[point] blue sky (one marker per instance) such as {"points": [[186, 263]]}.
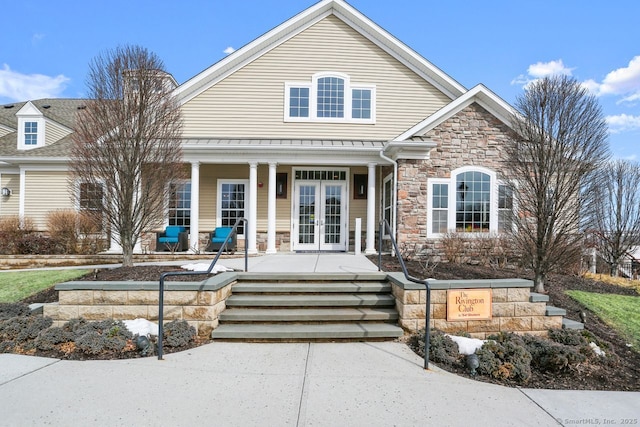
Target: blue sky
{"points": [[46, 45]]}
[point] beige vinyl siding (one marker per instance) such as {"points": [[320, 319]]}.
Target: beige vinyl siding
{"points": [[10, 205], [209, 176], [250, 102], [45, 191], [54, 132]]}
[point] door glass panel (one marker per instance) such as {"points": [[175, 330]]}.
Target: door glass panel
{"points": [[332, 213], [307, 214]]}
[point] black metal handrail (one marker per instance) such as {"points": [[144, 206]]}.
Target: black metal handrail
{"points": [[163, 276], [384, 226]]}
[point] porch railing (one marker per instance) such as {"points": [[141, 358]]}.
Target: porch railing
{"points": [[163, 276], [384, 227]]}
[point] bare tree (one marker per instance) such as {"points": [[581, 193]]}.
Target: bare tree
{"points": [[561, 142], [617, 211], [127, 144]]}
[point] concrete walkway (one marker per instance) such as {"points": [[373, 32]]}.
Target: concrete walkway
{"points": [[296, 384]]}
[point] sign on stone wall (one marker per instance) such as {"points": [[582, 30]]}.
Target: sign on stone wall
{"points": [[469, 304]]}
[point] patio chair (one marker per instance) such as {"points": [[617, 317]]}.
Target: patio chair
{"points": [[217, 237], [174, 238]]}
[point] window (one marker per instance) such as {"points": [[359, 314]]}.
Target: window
{"points": [[31, 133], [180, 204], [330, 97], [473, 197], [471, 201], [299, 102], [440, 211], [232, 203], [505, 208], [91, 196]]}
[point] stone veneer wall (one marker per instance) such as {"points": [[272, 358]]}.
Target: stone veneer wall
{"points": [[473, 137], [196, 302], [512, 309]]}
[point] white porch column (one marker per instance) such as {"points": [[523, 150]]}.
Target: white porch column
{"points": [[250, 238], [194, 233], [371, 211], [271, 210]]}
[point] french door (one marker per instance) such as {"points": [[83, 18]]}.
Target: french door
{"points": [[320, 216]]}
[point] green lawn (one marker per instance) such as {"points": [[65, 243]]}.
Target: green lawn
{"points": [[619, 311], [17, 285]]}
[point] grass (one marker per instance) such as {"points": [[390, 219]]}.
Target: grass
{"points": [[17, 285], [621, 312], [618, 281]]}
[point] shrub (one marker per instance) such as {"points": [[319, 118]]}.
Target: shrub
{"points": [[12, 230], [9, 310], [442, 349], [505, 357], [62, 226], [453, 247], [99, 337], [38, 244], [49, 338], [178, 333], [550, 356], [24, 328]]}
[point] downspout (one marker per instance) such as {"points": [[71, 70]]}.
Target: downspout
{"points": [[394, 197]]}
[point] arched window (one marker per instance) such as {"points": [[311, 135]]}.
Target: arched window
{"points": [[483, 204]]}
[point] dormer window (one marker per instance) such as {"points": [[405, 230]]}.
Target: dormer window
{"points": [[31, 127], [31, 133], [330, 97]]}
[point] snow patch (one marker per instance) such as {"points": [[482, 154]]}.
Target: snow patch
{"points": [[466, 345], [597, 350], [141, 327], [204, 267]]}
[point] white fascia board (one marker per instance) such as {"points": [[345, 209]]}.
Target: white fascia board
{"points": [[49, 167], [28, 109], [21, 161], [480, 94], [7, 128], [416, 150]]}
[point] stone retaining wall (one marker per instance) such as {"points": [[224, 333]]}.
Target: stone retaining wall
{"points": [[512, 309], [199, 303]]}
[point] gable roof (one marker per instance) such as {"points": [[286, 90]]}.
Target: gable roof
{"points": [[478, 94], [285, 31]]}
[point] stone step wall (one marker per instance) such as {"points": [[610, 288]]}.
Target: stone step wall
{"points": [[199, 303], [512, 310]]}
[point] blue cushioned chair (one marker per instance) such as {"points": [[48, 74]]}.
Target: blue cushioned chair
{"points": [[173, 238], [217, 237]]}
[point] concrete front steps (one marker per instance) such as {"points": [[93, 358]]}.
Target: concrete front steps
{"points": [[555, 311], [314, 307]]}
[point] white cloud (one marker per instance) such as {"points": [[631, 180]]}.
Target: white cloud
{"points": [[551, 68], [623, 82], [623, 123], [540, 70], [229, 50], [21, 87]]}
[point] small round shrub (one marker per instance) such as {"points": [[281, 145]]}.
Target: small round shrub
{"points": [[571, 337], [178, 333], [505, 356], [551, 356], [22, 329], [99, 337]]}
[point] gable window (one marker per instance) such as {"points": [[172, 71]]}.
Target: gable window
{"points": [[31, 133], [330, 97], [232, 203], [180, 204], [471, 201]]}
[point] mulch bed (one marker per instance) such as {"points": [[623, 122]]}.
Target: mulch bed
{"points": [[623, 376]]}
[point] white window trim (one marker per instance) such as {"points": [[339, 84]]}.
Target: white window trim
{"points": [[313, 100], [247, 199], [451, 214], [21, 132]]}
